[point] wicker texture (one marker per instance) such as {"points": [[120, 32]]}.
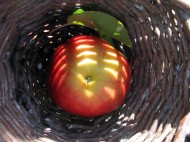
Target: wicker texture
{"points": [[158, 105]]}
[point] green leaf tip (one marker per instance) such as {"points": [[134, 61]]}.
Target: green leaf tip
{"points": [[103, 23], [78, 11]]}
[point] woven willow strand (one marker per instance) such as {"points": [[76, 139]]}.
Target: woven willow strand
{"points": [[158, 106]]}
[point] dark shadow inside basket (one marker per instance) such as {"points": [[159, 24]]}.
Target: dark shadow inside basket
{"points": [[187, 139], [154, 101]]}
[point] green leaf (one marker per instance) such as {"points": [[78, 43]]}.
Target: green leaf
{"points": [[107, 38], [103, 23]]}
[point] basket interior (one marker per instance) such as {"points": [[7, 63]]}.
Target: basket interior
{"points": [[159, 96]]}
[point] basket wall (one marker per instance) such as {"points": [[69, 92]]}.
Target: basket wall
{"points": [[158, 105]]}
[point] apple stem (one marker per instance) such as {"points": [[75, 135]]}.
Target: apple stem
{"points": [[88, 80]]}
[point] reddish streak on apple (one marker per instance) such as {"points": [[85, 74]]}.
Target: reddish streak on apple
{"points": [[125, 72], [56, 74], [59, 51], [107, 45], [59, 63], [123, 83], [59, 54], [124, 60], [78, 41], [88, 77], [61, 80]]}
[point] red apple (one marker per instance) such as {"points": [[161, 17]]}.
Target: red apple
{"points": [[88, 77]]}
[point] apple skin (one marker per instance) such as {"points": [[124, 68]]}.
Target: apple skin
{"points": [[88, 77]]}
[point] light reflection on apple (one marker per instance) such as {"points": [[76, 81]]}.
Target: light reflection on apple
{"points": [[113, 72], [110, 92], [111, 54], [110, 61], [89, 93], [86, 53], [86, 61], [84, 47]]}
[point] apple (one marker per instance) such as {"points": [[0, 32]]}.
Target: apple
{"points": [[88, 77]]}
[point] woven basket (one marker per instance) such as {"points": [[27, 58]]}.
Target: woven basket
{"points": [[158, 105]]}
